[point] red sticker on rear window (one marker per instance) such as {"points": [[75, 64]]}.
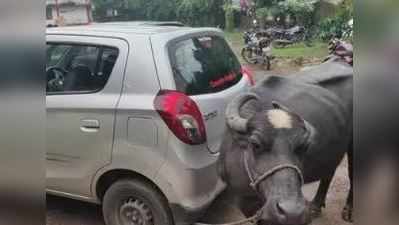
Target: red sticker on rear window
{"points": [[222, 81]]}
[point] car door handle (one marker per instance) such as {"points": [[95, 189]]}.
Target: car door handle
{"points": [[89, 125]]}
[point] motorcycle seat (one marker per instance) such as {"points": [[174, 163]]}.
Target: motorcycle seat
{"points": [[294, 30]]}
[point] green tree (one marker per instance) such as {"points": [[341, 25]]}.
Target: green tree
{"points": [[200, 12], [266, 3], [191, 12], [159, 10], [337, 25], [229, 16], [101, 7], [301, 10]]}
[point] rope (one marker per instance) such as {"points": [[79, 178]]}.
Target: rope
{"points": [[254, 183], [251, 220]]}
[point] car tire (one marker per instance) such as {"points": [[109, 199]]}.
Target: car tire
{"points": [[135, 202]]}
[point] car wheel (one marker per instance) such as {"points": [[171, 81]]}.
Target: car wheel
{"points": [[133, 202]]}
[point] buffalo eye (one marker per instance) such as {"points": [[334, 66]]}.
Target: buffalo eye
{"points": [[255, 143]]}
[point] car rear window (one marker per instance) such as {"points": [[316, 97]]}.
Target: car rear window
{"points": [[203, 65]]}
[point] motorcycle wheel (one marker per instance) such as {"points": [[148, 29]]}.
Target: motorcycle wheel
{"points": [[247, 55], [267, 62], [280, 43]]}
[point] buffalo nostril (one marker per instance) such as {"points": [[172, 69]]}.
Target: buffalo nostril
{"points": [[292, 212], [280, 209]]}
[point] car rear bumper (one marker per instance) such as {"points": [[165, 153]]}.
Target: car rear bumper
{"points": [[186, 215], [190, 188]]}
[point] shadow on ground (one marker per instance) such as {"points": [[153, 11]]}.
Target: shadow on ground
{"points": [[62, 211]]}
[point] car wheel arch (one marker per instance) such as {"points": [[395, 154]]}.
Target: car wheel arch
{"points": [[108, 178]]}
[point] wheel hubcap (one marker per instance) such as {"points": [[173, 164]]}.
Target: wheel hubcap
{"points": [[135, 212]]}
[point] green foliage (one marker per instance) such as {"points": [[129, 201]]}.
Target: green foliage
{"points": [[229, 17], [266, 3], [159, 10], [337, 26], [301, 10], [316, 50], [200, 12], [191, 12], [347, 5], [263, 12], [297, 7], [101, 7]]}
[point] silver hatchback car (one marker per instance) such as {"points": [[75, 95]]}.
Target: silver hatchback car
{"points": [[135, 118]]}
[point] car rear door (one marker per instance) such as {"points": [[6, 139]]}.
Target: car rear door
{"points": [[206, 69], [81, 108]]}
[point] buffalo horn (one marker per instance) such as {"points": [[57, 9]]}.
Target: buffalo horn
{"points": [[234, 119]]}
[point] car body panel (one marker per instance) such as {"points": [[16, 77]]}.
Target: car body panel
{"points": [[75, 152], [212, 106], [185, 174], [136, 104]]}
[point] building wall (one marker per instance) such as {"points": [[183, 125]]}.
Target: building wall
{"points": [[70, 14], [80, 2], [74, 14]]}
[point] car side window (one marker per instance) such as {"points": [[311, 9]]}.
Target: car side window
{"points": [[78, 69]]}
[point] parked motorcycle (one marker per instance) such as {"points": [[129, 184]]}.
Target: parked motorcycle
{"points": [[340, 50], [348, 32], [257, 49], [283, 37]]}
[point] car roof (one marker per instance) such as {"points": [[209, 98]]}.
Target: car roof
{"points": [[147, 23], [126, 29]]}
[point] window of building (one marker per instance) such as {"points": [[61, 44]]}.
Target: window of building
{"points": [[49, 12]]}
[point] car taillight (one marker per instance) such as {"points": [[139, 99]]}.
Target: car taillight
{"points": [[182, 116], [246, 71]]}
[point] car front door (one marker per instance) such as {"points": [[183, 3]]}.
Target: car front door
{"points": [[84, 82]]}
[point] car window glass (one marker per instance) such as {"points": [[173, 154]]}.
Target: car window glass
{"points": [[55, 53], [73, 68], [108, 58], [204, 65], [85, 56]]}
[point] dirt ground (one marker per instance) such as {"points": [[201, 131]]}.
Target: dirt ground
{"points": [[62, 211]]}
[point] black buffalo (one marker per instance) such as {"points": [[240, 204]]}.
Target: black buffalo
{"points": [[285, 132]]}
